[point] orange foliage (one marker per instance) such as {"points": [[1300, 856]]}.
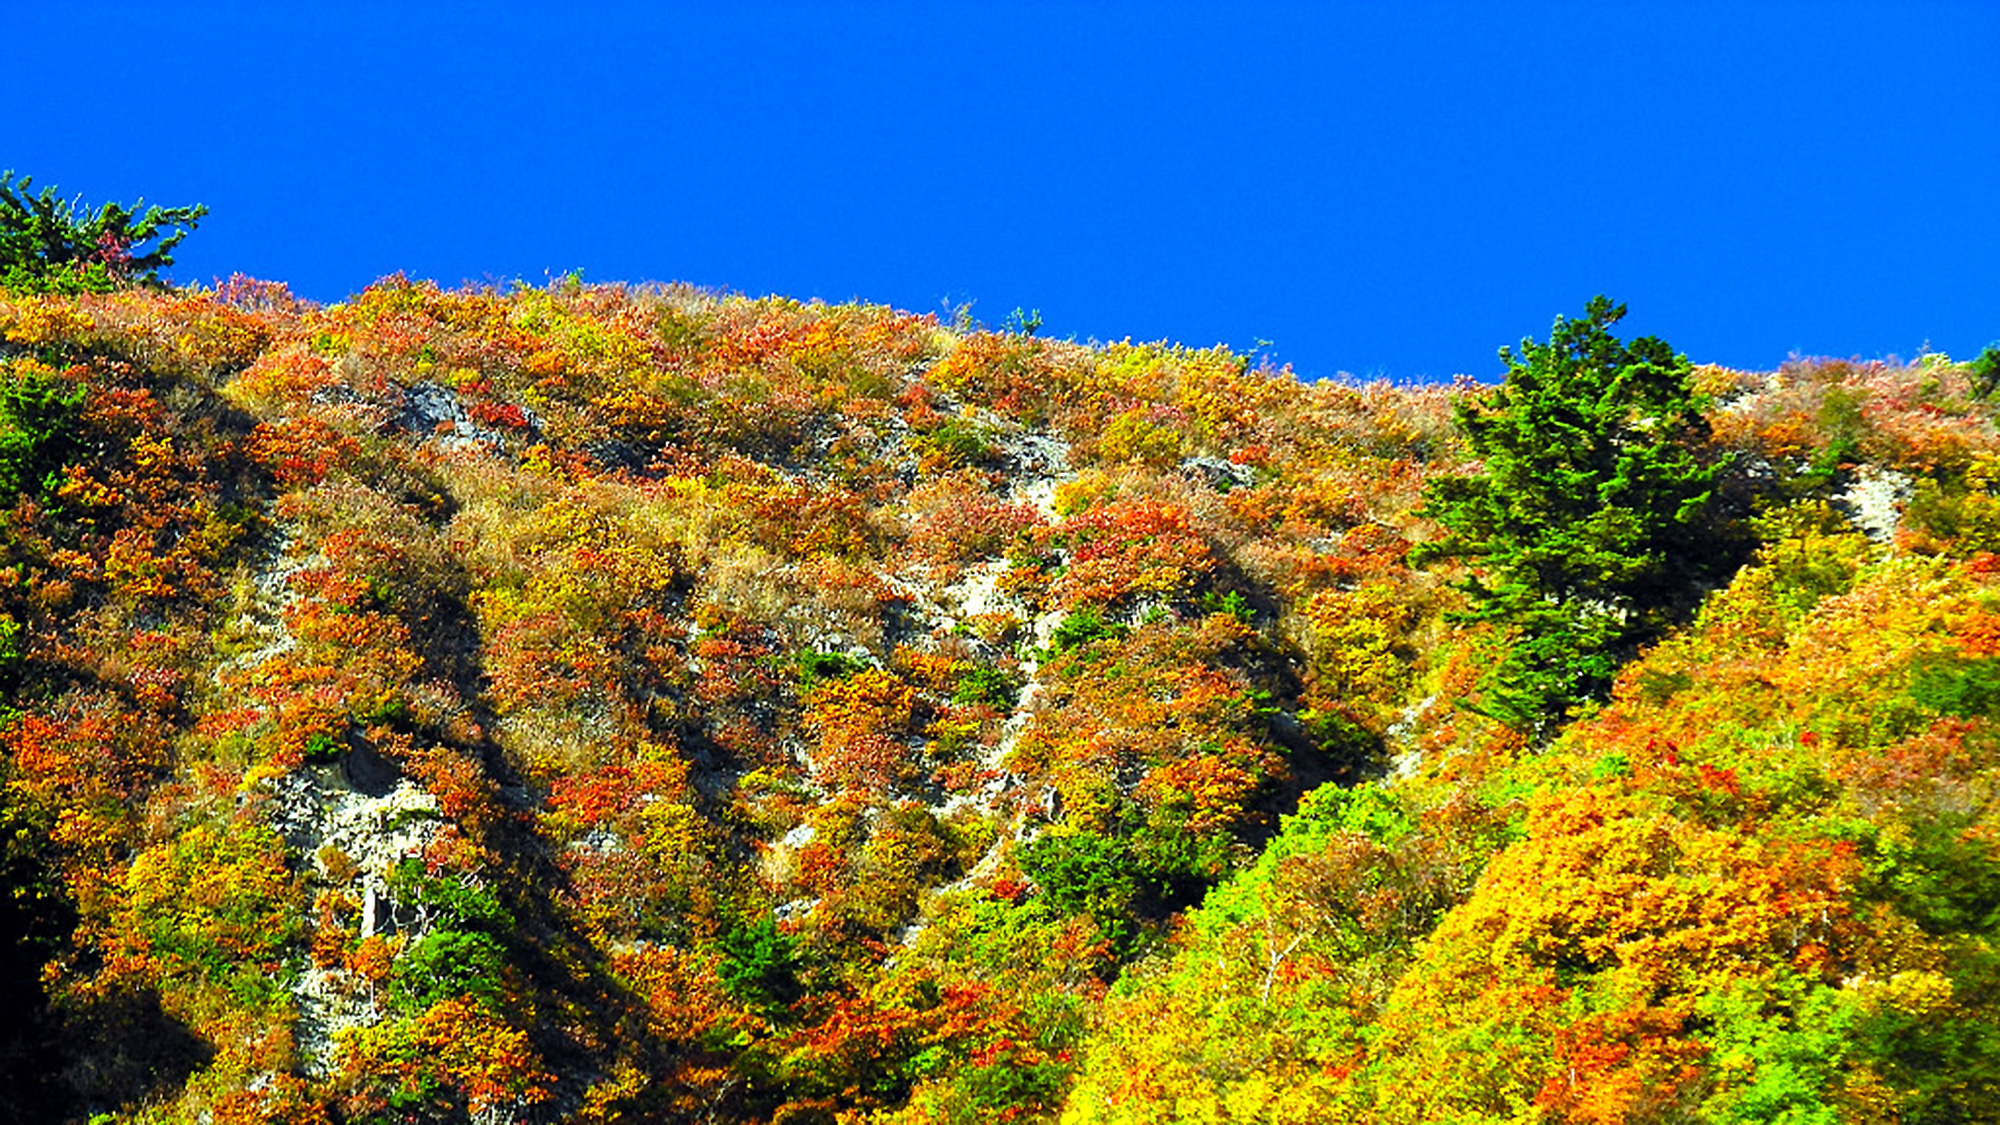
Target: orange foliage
{"points": [[1132, 549], [459, 1044], [862, 721]]}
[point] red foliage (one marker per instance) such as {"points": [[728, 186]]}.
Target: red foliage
{"points": [[1616, 1067], [505, 415], [301, 451], [1132, 548]]}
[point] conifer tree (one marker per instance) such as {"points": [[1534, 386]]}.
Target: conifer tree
{"points": [[1589, 527], [48, 246]]}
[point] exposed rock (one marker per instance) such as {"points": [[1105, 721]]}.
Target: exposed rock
{"points": [[367, 769], [432, 409], [1875, 501], [1219, 473]]}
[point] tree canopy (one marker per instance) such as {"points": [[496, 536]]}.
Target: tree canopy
{"points": [[49, 245], [1588, 525]]}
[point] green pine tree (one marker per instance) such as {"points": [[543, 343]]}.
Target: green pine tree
{"points": [[48, 246], [1589, 528]]}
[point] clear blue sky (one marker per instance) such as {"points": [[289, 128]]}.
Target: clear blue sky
{"points": [[1389, 189]]}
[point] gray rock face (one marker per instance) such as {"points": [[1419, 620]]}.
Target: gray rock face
{"points": [[367, 770], [431, 410], [324, 816], [1875, 501], [349, 822]]}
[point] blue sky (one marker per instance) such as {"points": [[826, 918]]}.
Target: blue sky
{"points": [[1383, 189]]}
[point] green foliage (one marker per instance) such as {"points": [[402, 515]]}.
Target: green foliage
{"points": [[37, 407], [321, 748], [760, 965], [1808, 554], [1086, 624], [1371, 813], [1941, 874], [1372, 810], [1589, 527], [1232, 603], [451, 902], [1124, 882], [1955, 685], [988, 1092], [1340, 737], [48, 246], [1780, 1045], [1841, 420], [461, 951], [1022, 322], [1928, 1037], [445, 964], [987, 685], [959, 440], [818, 667], [1086, 873], [1984, 371], [10, 651]]}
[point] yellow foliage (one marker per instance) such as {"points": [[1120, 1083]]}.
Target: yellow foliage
{"points": [[38, 321]]}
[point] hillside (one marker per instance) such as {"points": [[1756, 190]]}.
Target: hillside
{"points": [[601, 703]]}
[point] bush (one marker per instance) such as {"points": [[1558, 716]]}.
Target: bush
{"points": [[1080, 628], [461, 955], [1232, 603], [36, 406], [1954, 685], [818, 667], [1984, 371], [958, 441], [1085, 873], [759, 966], [990, 686], [1124, 883], [446, 964], [450, 903]]}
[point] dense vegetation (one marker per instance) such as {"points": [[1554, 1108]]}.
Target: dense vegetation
{"points": [[594, 703]]}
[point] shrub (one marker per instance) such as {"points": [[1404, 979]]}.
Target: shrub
{"points": [[1984, 371], [216, 906], [817, 667], [447, 964], [957, 441], [36, 407], [447, 901], [1086, 873], [1127, 883], [461, 955], [1954, 685], [990, 686], [759, 965], [1080, 628]]}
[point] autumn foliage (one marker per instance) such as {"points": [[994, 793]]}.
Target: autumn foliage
{"points": [[609, 703]]}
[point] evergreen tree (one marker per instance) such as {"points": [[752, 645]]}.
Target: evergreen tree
{"points": [[48, 246], [1589, 527]]}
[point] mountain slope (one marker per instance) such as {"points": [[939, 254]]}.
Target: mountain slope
{"points": [[606, 703]]}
